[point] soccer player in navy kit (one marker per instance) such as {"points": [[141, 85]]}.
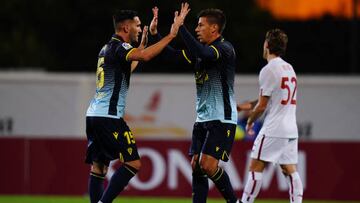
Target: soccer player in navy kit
{"points": [[108, 135], [213, 59]]}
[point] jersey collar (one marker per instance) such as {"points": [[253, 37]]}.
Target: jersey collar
{"points": [[219, 39], [116, 38]]}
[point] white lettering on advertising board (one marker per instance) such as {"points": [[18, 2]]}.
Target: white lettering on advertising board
{"points": [[178, 164]]}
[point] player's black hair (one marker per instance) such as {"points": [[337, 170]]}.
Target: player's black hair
{"points": [[214, 16], [277, 41], [122, 15]]}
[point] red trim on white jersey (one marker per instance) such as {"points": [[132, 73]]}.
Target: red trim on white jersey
{"points": [[261, 145]]}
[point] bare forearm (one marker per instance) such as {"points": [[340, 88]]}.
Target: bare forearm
{"points": [[255, 114], [151, 51], [253, 103], [247, 105], [134, 65]]}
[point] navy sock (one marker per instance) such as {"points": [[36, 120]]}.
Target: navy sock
{"points": [[118, 182], [200, 186], [223, 184], [96, 187]]}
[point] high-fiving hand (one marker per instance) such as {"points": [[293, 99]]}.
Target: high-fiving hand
{"points": [[154, 22], [144, 38], [179, 18], [183, 13]]}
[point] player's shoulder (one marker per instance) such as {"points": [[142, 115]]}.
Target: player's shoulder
{"points": [[267, 71], [266, 68], [275, 64], [119, 43], [278, 61], [222, 43], [126, 46], [103, 50], [123, 46], [283, 66], [224, 46]]}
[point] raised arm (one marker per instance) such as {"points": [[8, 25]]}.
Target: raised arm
{"points": [[196, 48], [204, 51], [169, 54], [150, 52], [154, 22], [139, 54], [143, 43]]}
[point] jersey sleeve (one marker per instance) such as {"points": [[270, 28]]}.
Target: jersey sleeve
{"points": [[175, 56], [169, 54], [267, 82], [196, 48], [216, 51], [223, 49], [185, 55], [123, 51]]}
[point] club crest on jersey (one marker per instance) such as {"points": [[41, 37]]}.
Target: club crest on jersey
{"points": [[115, 134], [130, 150], [126, 46]]}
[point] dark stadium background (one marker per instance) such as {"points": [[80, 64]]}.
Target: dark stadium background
{"points": [[67, 35], [48, 59]]}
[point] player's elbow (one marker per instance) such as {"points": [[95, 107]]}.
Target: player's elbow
{"points": [[147, 57], [261, 108], [140, 55]]}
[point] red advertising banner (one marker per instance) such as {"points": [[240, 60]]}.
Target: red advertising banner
{"points": [[56, 166]]}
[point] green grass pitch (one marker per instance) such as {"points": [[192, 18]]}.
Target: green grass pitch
{"points": [[60, 199]]}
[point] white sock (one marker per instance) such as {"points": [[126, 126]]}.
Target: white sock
{"points": [[252, 187], [295, 187]]}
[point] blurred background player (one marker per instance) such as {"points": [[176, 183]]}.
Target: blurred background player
{"points": [[213, 59], [108, 135], [243, 115], [277, 141]]}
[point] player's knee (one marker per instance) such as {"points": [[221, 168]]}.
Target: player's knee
{"points": [[288, 169], [197, 171], [208, 167], [285, 172], [257, 165], [135, 164], [99, 168]]}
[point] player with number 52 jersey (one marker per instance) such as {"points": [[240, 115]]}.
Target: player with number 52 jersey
{"points": [[278, 81], [277, 141]]}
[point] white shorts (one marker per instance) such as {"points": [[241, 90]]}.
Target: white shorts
{"points": [[276, 150]]}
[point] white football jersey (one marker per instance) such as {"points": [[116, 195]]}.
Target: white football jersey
{"points": [[278, 81]]}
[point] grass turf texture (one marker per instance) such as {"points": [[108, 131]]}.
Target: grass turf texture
{"points": [[60, 199]]}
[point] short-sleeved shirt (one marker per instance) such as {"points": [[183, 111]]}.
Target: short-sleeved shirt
{"points": [[215, 84], [112, 80], [278, 81]]}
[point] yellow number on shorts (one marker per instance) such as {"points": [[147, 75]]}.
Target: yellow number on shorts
{"points": [[100, 74], [129, 137]]}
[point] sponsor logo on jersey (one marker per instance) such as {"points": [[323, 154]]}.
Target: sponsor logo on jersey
{"points": [[126, 46]]}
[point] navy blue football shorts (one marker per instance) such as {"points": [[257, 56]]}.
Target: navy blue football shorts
{"points": [[213, 138], [109, 139]]}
